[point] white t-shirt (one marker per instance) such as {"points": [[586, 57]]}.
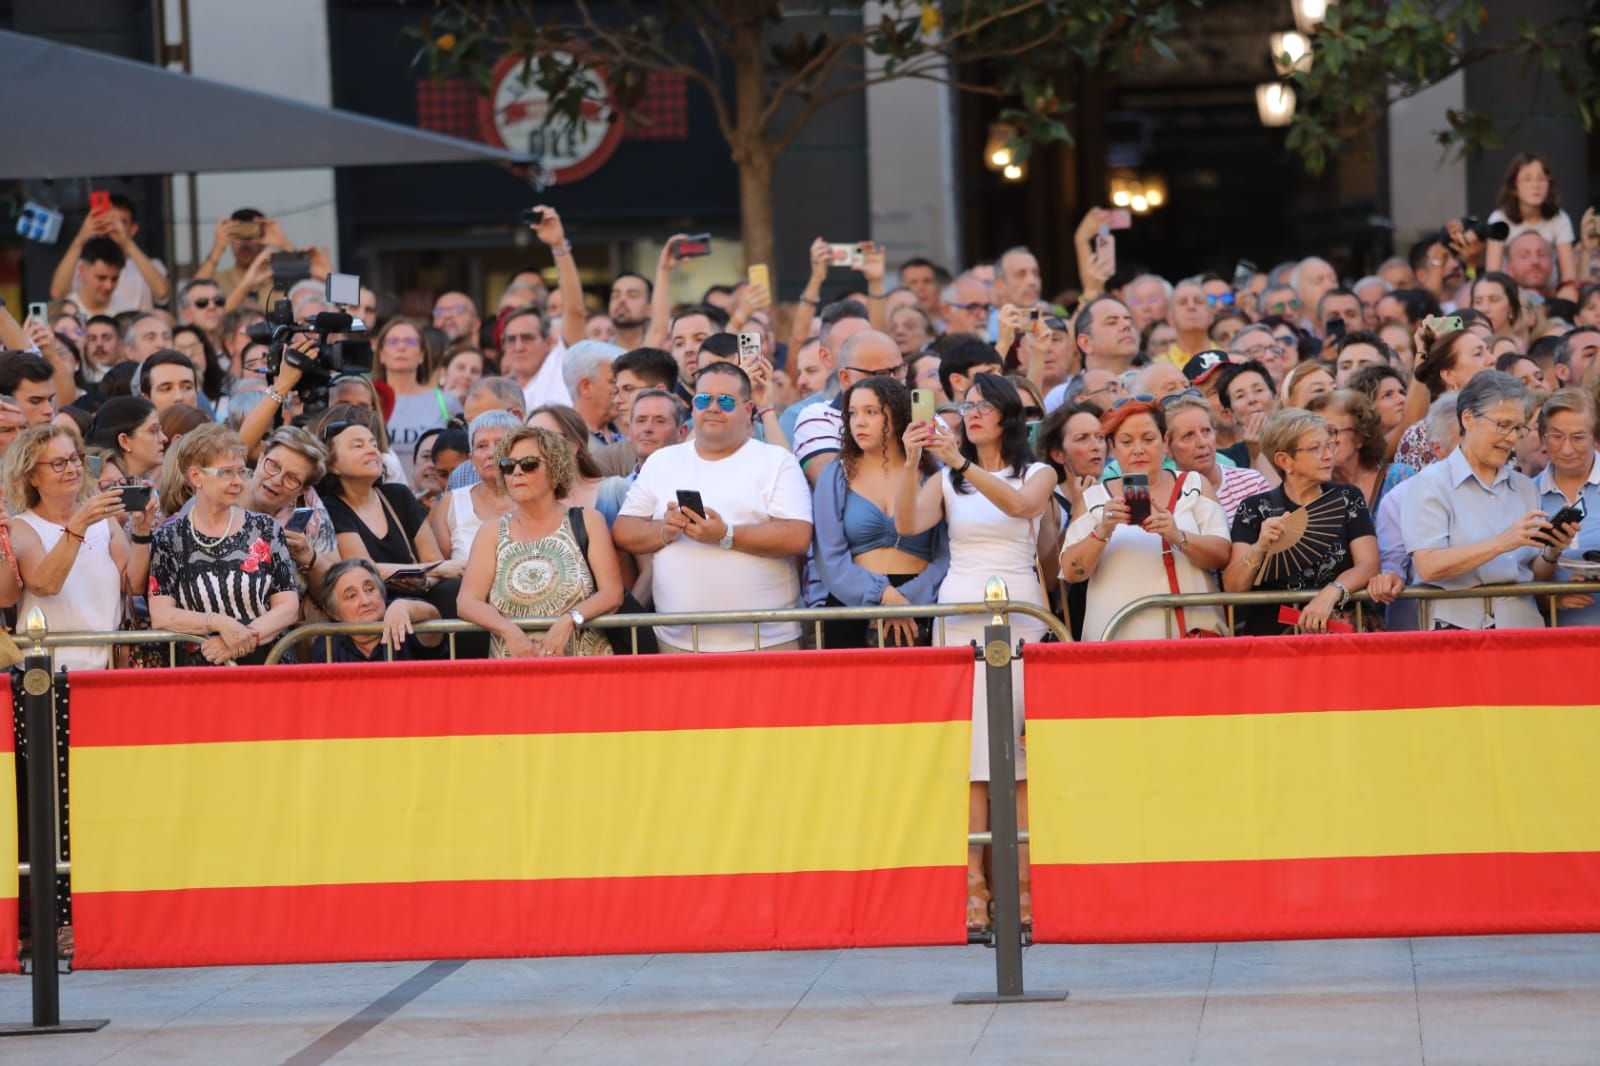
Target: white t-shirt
{"points": [[549, 385], [758, 483]]}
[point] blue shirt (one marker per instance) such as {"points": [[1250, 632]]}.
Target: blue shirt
{"points": [[1448, 506], [834, 549], [1551, 500]]}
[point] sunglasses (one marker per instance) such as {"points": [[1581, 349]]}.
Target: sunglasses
{"points": [[333, 429], [204, 302], [1172, 398], [704, 400], [527, 464], [1280, 306], [1224, 299], [1142, 397]]}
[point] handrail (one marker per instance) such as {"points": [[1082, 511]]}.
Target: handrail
{"points": [[1168, 601], [814, 615]]}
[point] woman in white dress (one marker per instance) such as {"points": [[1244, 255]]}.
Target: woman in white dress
{"points": [[1124, 560], [992, 494]]}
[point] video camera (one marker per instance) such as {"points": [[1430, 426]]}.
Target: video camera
{"points": [[350, 355]]}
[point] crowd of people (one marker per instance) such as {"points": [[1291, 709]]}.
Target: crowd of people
{"points": [[916, 433]]}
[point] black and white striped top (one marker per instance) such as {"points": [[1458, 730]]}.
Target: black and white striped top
{"points": [[236, 578]]}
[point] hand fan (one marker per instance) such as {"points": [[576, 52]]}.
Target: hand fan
{"points": [[1310, 533]]}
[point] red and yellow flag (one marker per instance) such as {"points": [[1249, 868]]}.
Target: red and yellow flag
{"points": [[1386, 785], [679, 803]]}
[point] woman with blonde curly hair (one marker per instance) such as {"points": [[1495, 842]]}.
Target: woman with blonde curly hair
{"points": [[533, 563]]}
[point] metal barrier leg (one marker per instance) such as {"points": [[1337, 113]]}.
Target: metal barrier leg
{"points": [[38, 704], [1004, 888]]}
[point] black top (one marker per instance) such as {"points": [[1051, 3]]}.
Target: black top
{"points": [[396, 545], [345, 651], [1317, 570]]}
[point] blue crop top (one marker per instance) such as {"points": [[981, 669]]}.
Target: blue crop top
{"points": [[866, 527]]}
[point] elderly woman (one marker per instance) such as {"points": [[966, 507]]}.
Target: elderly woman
{"points": [[1168, 538], [1357, 435], [221, 572], [292, 462], [1473, 520], [455, 519], [1567, 422], [353, 592], [911, 329], [862, 561], [532, 564], [1451, 361], [129, 425], [72, 562], [1335, 551]]}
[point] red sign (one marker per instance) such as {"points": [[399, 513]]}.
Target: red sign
{"points": [[513, 117]]}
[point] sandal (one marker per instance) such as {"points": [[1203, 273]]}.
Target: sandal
{"points": [[977, 903]]}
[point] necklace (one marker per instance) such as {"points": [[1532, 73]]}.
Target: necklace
{"points": [[210, 543]]}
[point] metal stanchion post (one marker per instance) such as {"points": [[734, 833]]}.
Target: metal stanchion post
{"points": [[38, 704], [996, 655]]}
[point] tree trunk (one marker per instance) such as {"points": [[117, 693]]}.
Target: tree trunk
{"points": [[752, 149]]}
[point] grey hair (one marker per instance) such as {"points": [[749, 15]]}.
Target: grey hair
{"points": [[1372, 279], [680, 413], [1486, 389], [301, 291], [330, 580], [505, 390], [1185, 403], [133, 324], [493, 419], [1441, 417], [1166, 286], [1294, 275], [583, 361], [302, 443], [1565, 344], [1254, 327], [241, 403], [193, 284]]}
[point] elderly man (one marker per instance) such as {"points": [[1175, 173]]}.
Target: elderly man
{"points": [[352, 591], [1259, 342], [526, 358], [457, 315], [592, 383], [1397, 273], [146, 335], [739, 550], [966, 307], [1147, 296], [1312, 277], [1017, 281], [819, 433], [1369, 290]]}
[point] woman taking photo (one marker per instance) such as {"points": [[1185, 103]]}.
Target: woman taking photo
{"points": [[1071, 442], [74, 564], [1451, 361], [221, 572], [1357, 437], [530, 564], [1333, 547], [457, 516], [861, 559], [1567, 423], [991, 494], [1166, 538], [402, 364], [1472, 519], [129, 425]]}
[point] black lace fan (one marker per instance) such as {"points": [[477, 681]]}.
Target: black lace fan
{"points": [[1310, 534]]}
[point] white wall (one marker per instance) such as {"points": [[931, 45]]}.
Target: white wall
{"points": [[1426, 186], [280, 47]]}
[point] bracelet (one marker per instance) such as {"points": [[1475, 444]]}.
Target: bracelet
{"points": [[808, 300], [1344, 594], [1095, 533], [75, 536], [559, 250], [1549, 560], [273, 395], [137, 539], [964, 467], [765, 411], [1183, 540], [879, 296]]}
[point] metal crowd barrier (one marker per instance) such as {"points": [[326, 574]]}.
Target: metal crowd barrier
{"points": [[1169, 602]]}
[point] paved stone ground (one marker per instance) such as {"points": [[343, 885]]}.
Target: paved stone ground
{"points": [[1433, 1001]]}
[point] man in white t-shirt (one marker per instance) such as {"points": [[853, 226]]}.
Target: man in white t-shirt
{"points": [[526, 357], [740, 554]]}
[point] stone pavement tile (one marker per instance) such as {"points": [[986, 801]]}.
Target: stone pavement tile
{"points": [[1468, 962], [887, 1033], [1092, 1027], [711, 1037], [1122, 970], [1309, 966]]}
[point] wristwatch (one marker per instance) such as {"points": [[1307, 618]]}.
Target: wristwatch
{"points": [[576, 616], [727, 539], [1344, 594]]}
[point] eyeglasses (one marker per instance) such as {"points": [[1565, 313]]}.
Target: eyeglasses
{"points": [[982, 408], [451, 309], [227, 473], [1278, 307], [1115, 386], [401, 342], [527, 464], [1323, 448], [1172, 398], [985, 308], [1334, 434], [894, 372], [519, 338], [1557, 441], [271, 468], [704, 400], [1143, 397], [60, 465], [204, 302], [1261, 350], [1220, 299], [1507, 429]]}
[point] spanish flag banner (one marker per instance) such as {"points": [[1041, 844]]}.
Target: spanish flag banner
{"points": [[1379, 785], [9, 913], [479, 809]]}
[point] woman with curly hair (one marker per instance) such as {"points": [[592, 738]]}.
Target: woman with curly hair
{"points": [[861, 559]]}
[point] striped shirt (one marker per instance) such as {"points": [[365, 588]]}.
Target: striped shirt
{"points": [[1238, 484]]}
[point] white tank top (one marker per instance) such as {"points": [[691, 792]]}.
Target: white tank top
{"points": [[90, 598], [464, 523]]}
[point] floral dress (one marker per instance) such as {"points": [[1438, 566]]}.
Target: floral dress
{"points": [[542, 578], [236, 575]]}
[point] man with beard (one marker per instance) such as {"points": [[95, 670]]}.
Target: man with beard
{"points": [[630, 308]]}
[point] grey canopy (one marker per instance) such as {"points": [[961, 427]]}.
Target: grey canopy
{"points": [[72, 112]]}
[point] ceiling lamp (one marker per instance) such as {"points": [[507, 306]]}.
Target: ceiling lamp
{"points": [[1013, 172], [1275, 103], [1308, 14], [997, 154], [1291, 51]]}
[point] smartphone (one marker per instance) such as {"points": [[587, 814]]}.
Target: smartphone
{"points": [[1106, 244], [1136, 492], [1570, 515], [532, 216], [94, 464], [134, 497], [759, 275], [1442, 324], [99, 201], [1119, 218], [1244, 272], [923, 402], [290, 267], [690, 500], [847, 255], [247, 231], [1333, 329], [692, 247], [749, 345], [344, 289], [39, 311], [299, 520]]}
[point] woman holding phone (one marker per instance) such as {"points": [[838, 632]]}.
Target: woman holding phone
{"points": [[992, 495], [66, 558], [1150, 532], [129, 425]]}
